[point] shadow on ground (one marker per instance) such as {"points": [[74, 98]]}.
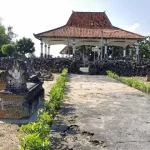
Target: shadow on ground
{"points": [[61, 128]]}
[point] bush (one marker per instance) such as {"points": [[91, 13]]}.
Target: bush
{"points": [[35, 135]]}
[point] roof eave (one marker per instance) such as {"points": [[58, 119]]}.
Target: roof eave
{"points": [[40, 37]]}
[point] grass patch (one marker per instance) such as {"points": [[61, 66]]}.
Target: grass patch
{"points": [[130, 82]]}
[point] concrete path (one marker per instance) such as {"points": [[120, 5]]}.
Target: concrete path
{"points": [[102, 114]]}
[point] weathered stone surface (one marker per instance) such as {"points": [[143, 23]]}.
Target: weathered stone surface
{"points": [[20, 98], [2, 80], [16, 76], [17, 106], [148, 76]]}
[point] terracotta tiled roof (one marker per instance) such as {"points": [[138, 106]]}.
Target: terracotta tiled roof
{"points": [[89, 20], [89, 25]]}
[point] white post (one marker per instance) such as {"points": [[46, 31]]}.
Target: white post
{"points": [[105, 52], [73, 46], [130, 53], [48, 52], [137, 50], [45, 50], [41, 49], [101, 50], [124, 53]]}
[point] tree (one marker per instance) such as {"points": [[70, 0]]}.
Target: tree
{"points": [[144, 48], [8, 49], [3, 36], [25, 46], [6, 36]]}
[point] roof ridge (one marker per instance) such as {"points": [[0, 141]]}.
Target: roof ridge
{"points": [[88, 11], [49, 30], [128, 31]]}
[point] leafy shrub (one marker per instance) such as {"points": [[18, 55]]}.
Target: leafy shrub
{"points": [[35, 135], [33, 141], [35, 127], [131, 82]]}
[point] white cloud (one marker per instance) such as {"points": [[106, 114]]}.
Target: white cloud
{"points": [[133, 28]]}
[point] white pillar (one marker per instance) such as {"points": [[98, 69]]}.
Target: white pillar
{"points": [[124, 53], [105, 52], [45, 51], [48, 52], [41, 49], [137, 50], [73, 46], [130, 53]]}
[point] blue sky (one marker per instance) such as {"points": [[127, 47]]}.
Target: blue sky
{"points": [[34, 16]]}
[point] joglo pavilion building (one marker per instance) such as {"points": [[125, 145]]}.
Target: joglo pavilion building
{"points": [[89, 28]]}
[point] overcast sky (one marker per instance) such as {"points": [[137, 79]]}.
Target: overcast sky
{"points": [[35, 16]]}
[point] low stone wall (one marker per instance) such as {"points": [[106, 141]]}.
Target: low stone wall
{"points": [[54, 65], [120, 67]]}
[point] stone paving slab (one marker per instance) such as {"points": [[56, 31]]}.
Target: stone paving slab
{"points": [[101, 113]]}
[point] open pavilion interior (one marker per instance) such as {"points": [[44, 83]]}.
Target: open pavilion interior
{"points": [[92, 29]]}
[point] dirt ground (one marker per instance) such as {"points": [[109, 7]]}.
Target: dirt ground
{"points": [[8, 136], [9, 132], [48, 84]]}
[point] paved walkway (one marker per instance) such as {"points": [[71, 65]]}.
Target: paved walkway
{"points": [[102, 114]]}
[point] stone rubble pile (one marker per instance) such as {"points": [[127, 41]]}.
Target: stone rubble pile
{"points": [[53, 65], [120, 67], [123, 67]]}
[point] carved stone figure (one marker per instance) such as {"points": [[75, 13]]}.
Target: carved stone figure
{"points": [[30, 68], [17, 76]]}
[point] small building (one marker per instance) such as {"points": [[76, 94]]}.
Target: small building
{"points": [[89, 28], [66, 51]]}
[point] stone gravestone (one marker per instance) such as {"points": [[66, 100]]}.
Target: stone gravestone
{"points": [[20, 98], [17, 76]]}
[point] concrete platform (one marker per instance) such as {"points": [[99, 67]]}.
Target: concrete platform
{"points": [[84, 69]]}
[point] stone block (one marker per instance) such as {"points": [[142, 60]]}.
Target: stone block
{"points": [[21, 105], [148, 77]]}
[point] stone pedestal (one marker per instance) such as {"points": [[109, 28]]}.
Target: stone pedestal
{"points": [[15, 105]]}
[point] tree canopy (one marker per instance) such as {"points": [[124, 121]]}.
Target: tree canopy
{"points": [[8, 49], [144, 48], [25, 46], [6, 36]]}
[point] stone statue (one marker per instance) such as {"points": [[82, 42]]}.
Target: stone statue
{"points": [[16, 76], [30, 68]]}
